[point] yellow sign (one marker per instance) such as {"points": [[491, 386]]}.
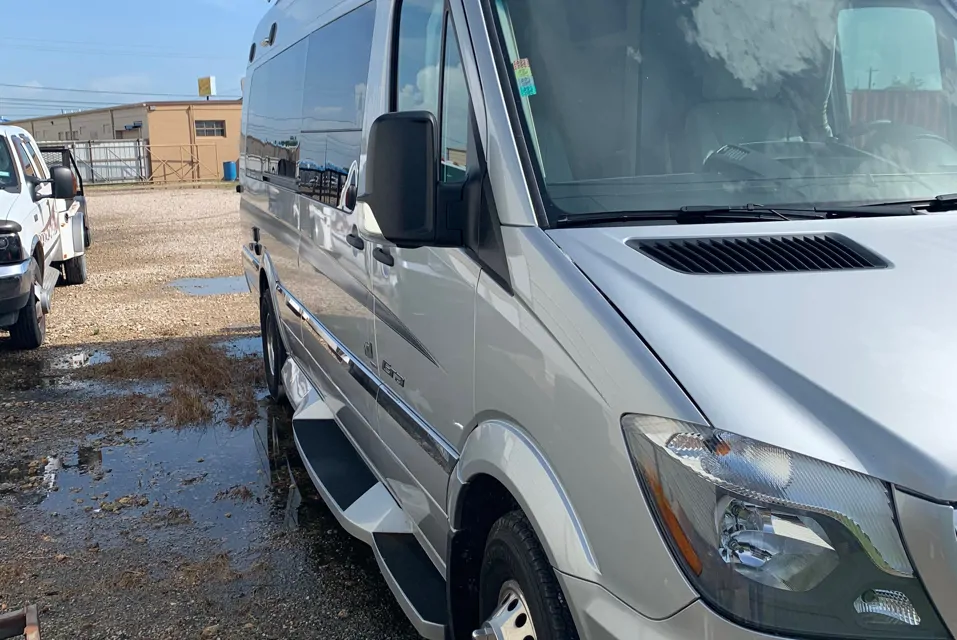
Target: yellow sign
{"points": [[207, 86]]}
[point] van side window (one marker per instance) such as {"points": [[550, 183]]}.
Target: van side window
{"points": [[333, 106], [28, 168], [422, 75], [419, 52], [275, 115], [455, 112]]}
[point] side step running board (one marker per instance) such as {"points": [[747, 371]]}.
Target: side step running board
{"points": [[364, 507]]}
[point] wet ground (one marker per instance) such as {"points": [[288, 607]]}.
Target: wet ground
{"points": [[142, 496]]}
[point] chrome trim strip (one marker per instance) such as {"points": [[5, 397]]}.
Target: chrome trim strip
{"points": [[420, 431], [250, 257], [427, 438], [15, 270], [293, 305]]}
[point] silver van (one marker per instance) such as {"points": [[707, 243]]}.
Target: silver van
{"points": [[619, 319]]}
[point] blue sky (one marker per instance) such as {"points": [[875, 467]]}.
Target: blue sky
{"points": [[122, 46]]}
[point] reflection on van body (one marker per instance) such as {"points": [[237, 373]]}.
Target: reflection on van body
{"points": [[619, 319]]}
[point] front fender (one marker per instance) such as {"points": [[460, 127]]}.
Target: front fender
{"points": [[503, 451]]}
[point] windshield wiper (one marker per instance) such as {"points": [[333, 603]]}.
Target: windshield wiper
{"points": [[702, 214], [698, 214], [943, 202]]}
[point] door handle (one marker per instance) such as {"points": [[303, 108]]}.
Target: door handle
{"points": [[355, 241], [383, 256]]}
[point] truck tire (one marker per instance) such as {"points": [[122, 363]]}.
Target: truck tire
{"points": [[87, 237], [519, 596], [30, 330], [74, 270]]}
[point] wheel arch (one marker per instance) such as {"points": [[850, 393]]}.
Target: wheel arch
{"points": [[269, 282], [501, 470]]}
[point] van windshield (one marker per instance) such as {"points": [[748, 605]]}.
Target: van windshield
{"points": [[8, 172], [652, 105]]}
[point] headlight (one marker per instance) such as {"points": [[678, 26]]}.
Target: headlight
{"points": [[10, 250], [776, 540]]}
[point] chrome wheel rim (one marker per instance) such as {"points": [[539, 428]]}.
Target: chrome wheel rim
{"points": [[271, 346], [511, 620]]}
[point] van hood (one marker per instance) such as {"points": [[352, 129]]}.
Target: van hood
{"points": [[7, 200], [854, 367]]}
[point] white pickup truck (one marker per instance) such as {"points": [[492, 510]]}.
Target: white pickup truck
{"points": [[42, 236]]}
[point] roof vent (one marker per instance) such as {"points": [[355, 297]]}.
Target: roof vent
{"points": [[759, 254]]}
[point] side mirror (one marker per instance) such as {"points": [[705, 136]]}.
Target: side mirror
{"points": [[400, 202], [64, 183]]}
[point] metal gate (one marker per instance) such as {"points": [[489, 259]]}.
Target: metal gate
{"points": [[137, 161]]}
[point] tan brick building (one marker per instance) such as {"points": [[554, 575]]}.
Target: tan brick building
{"points": [[186, 140]]}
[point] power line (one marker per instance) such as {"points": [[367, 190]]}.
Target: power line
{"points": [[117, 93], [116, 52], [49, 101], [133, 45]]}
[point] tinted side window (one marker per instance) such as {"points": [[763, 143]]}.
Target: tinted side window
{"points": [[334, 103], [455, 112], [419, 54], [336, 71], [35, 158], [28, 168], [275, 114]]}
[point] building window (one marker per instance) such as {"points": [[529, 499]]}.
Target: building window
{"points": [[210, 128]]}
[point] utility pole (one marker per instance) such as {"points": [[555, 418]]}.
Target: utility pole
{"points": [[870, 77]]}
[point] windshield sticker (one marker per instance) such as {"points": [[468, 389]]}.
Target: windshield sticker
{"points": [[523, 74], [4, 174]]}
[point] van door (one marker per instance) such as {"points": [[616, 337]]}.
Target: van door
{"points": [[425, 298], [333, 277]]}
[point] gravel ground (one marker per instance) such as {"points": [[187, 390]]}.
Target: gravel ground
{"points": [[147, 488]]}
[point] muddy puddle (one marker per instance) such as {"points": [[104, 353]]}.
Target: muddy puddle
{"points": [[231, 485], [211, 286], [214, 526]]}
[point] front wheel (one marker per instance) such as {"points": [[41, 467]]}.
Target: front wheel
{"points": [[30, 330], [274, 352], [519, 597]]}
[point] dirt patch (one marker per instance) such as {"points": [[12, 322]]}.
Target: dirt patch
{"points": [[200, 375]]}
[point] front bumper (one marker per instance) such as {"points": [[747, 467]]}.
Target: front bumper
{"points": [[601, 616], [16, 285]]}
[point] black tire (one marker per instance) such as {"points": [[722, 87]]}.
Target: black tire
{"points": [[74, 270], [513, 554], [87, 237], [30, 330], [274, 351]]}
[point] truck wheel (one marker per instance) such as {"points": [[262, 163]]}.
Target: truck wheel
{"points": [[31, 328], [75, 270], [519, 597], [274, 351], [87, 237]]}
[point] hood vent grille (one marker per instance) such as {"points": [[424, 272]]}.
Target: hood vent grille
{"points": [[759, 254]]}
